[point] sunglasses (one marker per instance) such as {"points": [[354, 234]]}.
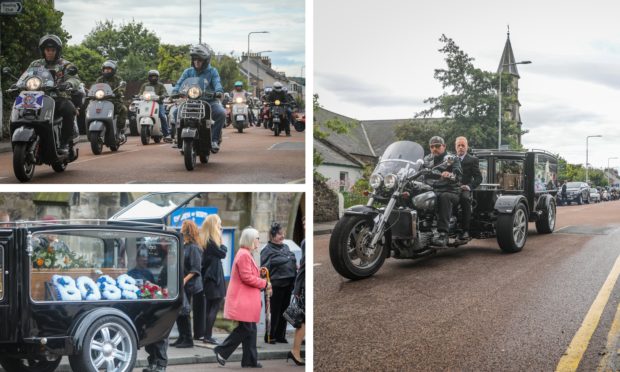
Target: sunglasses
{"points": [[436, 146]]}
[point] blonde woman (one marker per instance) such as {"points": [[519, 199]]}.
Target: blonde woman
{"points": [[243, 302], [214, 283]]}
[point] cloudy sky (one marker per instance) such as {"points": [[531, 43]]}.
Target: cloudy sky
{"points": [[375, 60], [225, 24]]}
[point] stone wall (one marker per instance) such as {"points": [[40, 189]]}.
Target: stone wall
{"points": [[325, 203]]}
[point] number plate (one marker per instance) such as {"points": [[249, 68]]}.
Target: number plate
{"points": [[240, 117]]}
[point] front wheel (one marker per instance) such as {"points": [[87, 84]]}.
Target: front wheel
{"points": [[546, 222], [96, 145], [109, 344], [189, 154], [512, 230], [240, 127], [349, 249], [276, 129], [23, 166], [145, 135], [29, 365]]}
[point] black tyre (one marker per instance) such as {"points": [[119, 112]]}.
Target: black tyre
{"points": [[96, 145], [204, 159], [546, 222], [189, 154], [109, 344], [299, 126], [23, 167], [240, 128], [349, 251], [276, 129], [145, 135], [59, 166], [133, 128], [157, 139], [114, 147], [512, 229], [29, 365], [580, 200]]}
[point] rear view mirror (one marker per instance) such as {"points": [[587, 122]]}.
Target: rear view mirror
{"points": [[6, 70]]}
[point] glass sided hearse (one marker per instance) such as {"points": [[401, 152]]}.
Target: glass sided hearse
{"points": [[94, 290]]}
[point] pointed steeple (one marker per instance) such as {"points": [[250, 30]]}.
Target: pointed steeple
{"points": [[506, 63]]}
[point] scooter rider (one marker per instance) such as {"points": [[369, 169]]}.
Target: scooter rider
{"points": [[445, 185], [108, 76], [65, 77], [278, 93], [239, 89], [201, 59], [160, 90]]}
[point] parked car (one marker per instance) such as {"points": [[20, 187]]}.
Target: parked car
{"points": [[577, 192], [595, 196]]}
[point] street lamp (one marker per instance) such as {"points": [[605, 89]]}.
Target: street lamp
{"points": [[248, 56], [609, 170], [257, 69], [499, 115], [587, 138]]}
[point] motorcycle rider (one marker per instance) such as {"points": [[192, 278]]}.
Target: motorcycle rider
{"points": [[445, 185], [108, 76], [469, 181], [160, 90], [248, 100], [65, 77], [201, 59], [278, 93]]}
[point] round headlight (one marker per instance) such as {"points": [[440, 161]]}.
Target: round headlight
{"points": [[375, 181], [238, 99], [277, 102], [193, 92], [34, 83], [99, 94], [390, 181], [147, 96]]}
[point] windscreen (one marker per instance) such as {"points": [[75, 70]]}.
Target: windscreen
{"points": [[40, 72], [398, 155]]}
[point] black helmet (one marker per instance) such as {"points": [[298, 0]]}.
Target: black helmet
{"points": [[202, 52], [153, 76], [110, 64], [50, 41], [277, 86]]}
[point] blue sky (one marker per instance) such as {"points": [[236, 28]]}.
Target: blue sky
{"points": [[225, 24]]}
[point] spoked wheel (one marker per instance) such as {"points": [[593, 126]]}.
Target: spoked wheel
{"points": [[109, 345], [23, 166], [189, 154], [350, 251], [29, 365], [512, 230], [145, 135], [546, 222], [96, 145]]}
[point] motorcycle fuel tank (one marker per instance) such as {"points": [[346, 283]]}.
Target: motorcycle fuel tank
{"points": [[425, 201]]}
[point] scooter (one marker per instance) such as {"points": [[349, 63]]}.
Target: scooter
{"points": [[278, 116], [149, 123], [101, 120], [240, 112]]}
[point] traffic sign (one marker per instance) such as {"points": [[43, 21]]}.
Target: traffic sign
{"points": [[11, 7]]}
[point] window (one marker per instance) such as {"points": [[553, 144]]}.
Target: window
{"points": [[92, 265], [344, 181], [545, 173], [509, 174], [1, 272], [484, 170]]}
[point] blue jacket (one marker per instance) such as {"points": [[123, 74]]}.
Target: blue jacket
{"points": [[210, 74]]}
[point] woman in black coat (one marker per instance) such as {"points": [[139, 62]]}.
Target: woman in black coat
{"points": [[212, 273], [278, 258]]}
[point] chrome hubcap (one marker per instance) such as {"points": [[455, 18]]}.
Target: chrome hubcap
{"points": [[519, 227], [110, 348]]}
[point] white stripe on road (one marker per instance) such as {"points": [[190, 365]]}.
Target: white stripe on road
{"points": [[105, 156], [318, 264]]}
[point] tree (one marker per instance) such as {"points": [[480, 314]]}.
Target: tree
{"points": [[173, 59], [323, 129], [229, 71], [469, 102], [88, 62], [117, 42], [133, 68]]}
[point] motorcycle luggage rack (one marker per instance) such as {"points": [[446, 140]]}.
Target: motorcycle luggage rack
{"points": [[192, 110]]}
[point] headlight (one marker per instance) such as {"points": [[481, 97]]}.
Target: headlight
{"points": [[375, 181], [390, 181], [99, 94], [147, 96], [194, 92], [34, 83], [277, 102], [238, 100]]}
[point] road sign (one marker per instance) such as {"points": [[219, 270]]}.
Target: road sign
{"points": [[11, 7]]}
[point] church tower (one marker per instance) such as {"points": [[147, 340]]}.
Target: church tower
{"points": [[507, 65]]}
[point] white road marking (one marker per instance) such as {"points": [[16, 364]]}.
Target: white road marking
{"points": [[317, 264]]}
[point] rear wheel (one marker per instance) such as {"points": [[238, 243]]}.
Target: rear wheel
{"points": [[546, 222], [29, 365], [96, 145], [145, 134], [157, 139], [189, 154], [512, 230], [59, 166], [23, 167]]}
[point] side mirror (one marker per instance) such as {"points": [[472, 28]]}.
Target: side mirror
{"points": [[123, 84], [6, 70], [72, 70], [449, 159]]}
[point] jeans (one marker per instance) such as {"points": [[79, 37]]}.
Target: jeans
{"points": [[218, 114], [165, 129]]}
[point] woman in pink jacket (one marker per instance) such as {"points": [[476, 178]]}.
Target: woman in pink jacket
{"points": [[243, 302]]}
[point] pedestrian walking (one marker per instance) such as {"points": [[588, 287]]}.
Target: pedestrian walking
{"points": [[214, 283], [299, 292], [243, 302], [282, 266]]}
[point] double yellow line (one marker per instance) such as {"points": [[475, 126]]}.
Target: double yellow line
{"points": [[573, 355]]}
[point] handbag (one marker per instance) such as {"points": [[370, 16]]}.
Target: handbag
{"points": [[295, 313]]}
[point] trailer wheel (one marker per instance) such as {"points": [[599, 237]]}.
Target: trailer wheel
{"points": [[29, 365]]}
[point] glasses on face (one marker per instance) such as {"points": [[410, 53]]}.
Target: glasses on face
{"points": [[435, 146]]}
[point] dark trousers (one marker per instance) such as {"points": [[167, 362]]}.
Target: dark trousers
{"points": [[280, 300], [213, 306], [244, 334], [158, 353], [121, 111], [66, 109], [465, 202], [446, 201], [198, 308]]}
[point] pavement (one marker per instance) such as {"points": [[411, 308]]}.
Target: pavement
{"points": [[324, 228]]}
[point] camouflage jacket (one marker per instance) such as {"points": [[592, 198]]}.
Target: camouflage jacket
{"points": [[114, 83], [160, 89], [59, 67]]}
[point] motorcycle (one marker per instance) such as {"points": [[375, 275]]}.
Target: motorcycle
{"points": [[299, 121], [263, 116], [149, 123], [35, 131], [278, 118], [101, 119], [240, 112], [403, 226], [132, 116], [194, 115]]}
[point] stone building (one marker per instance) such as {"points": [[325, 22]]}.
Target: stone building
{"points": [[508, 65]]}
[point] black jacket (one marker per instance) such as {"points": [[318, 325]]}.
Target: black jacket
{"points": [[191, 264], [439, 183], [273, 96], [281, 263], [471, 171], [213, 271], [300, 280]]}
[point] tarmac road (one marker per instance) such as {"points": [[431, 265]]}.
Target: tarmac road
{"points": [[255, 156], [476, 309]]}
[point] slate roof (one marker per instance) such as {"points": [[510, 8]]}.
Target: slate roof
{"points": [[508, 58], [353, 142], [333, 157]]}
